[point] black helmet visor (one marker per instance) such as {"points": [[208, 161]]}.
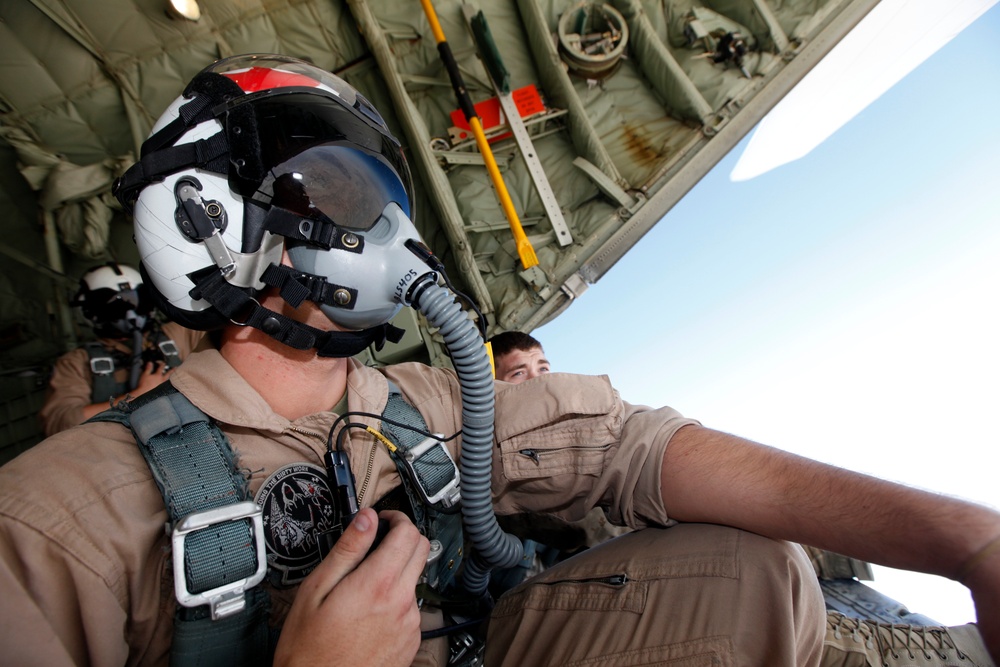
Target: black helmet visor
{"points": [[306, 151], [108, 305]]}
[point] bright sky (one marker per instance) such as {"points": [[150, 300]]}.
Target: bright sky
{"points": [[843, 306]]}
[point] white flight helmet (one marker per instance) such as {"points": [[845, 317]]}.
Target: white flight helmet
{"points": [[263, 153], [113, 300]]}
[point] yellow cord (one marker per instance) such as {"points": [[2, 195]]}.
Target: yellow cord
{"points": [[433, 20], [385, 440], [525, 251], [489, 353]]}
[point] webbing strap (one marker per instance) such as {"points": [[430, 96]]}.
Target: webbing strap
{"points": [[195, 469], [446, 528], [102, 373], [242, 640], [399, 410], [168, 348]]}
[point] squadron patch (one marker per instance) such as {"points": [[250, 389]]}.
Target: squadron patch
{"points": [[297, 504]]}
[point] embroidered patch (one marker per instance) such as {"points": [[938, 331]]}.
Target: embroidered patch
{"points": [[297, 504]]}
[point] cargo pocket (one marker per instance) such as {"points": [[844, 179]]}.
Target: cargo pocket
{"points": [[612, 592], [555, 435], [710, 652], [652, 597], [572, 618]]}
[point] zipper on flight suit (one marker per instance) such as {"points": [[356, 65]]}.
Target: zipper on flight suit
{"points": [[368, 473], [611, 580], [536, 455], [368, 470]]}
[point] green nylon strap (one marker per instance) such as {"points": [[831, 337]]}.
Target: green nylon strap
{"points": [[243, 639], [168, 348], [195, 469], [103, 384], [446, 528]]}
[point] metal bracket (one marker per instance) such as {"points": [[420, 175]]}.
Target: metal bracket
{"points": [[230, 598]]}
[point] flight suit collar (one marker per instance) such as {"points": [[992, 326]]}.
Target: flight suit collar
{"points": [[214, 386]]}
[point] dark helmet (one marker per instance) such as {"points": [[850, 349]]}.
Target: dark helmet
{"points": [[114, 300]]}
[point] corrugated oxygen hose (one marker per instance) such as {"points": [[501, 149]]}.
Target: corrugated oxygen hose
{"points": [[493, 548]]}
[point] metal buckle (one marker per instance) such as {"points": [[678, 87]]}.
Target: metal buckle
{"points": [[449, 495], [229, 598], [102, 366], [169, 349]]}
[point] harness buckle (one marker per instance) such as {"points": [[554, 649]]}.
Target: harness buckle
{"points": [[169, 349], [102, 366], [433, 472], [229, 598]]}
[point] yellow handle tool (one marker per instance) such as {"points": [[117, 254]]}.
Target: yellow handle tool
{"points": [[524, 249]]}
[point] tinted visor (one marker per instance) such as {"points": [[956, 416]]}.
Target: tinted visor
{"points": [[108, 305], [307, 151]]}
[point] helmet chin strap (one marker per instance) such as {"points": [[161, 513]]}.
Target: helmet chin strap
{"points": [[234, 303]]}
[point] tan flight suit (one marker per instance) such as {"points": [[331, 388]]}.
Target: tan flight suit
{"points": [[71, 385], [85, 574]]}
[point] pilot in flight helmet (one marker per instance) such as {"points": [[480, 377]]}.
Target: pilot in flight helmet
{"points": [[267, 153], [113, 299]]}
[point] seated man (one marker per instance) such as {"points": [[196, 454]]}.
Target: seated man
{"points": [[132, 354], [518, 357], [272, 204]]}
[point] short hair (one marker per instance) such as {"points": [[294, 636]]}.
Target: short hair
{"points": [[508, 341]]}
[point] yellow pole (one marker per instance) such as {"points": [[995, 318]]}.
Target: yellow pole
{"points": [[524, 249]]}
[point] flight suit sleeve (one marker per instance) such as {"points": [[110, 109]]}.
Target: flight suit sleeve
{"points": [[186, 340], [567, 443], [68, 393], [50, 601]]}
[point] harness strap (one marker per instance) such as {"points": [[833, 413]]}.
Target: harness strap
{"points": [[436, 525], [168, 348], [195, 469], [466, 614], [103, 365], [102, 371]]}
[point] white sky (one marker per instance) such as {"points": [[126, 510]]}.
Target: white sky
{"points": [[897, 34], [843, 306]]}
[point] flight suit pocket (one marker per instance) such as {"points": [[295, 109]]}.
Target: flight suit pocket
{"points": [[709, 652], [652, 597], [556, 425], [528, 459], [573, 616], [554, 436]]}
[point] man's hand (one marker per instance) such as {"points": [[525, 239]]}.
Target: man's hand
{"points": [[153, 375], [354, 610]]}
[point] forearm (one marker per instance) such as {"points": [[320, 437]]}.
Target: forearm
{"points": [[89, 411], [713, 477], [69, 393]]}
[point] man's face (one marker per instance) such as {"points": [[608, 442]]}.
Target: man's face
{"points": [[519, 365]]}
